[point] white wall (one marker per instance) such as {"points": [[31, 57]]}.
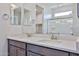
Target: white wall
{"points": [[4, 8], [6, 28], [76, 21]]}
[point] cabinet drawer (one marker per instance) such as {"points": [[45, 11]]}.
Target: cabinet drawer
{"points": [[32, 54], [46, 51], [17, 43]]}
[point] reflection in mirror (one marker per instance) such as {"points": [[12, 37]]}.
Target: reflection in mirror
{"points": [[58, 18], [15, 12], [39, 19], [27, 17]]}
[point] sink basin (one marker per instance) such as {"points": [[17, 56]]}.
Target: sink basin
{"points": [[50, 41]]}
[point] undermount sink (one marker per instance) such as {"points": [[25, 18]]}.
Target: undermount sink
{"points": [[50, 41]]}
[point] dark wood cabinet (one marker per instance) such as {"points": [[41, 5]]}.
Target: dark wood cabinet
{"points": [[45, 51], [17, 48], [74, 54], [17, 43], [12, 50], [21, 52]]}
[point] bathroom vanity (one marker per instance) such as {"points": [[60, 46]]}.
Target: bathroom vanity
{"points": [[34, 47], [38, 46]]}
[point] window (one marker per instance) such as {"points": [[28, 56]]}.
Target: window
{"points": [[63, 13], [62, 22]]}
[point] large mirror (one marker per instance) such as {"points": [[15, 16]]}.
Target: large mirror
{"points": [[28, 14], [27, 17], [57, 18], [44, 17], [15, 12]]}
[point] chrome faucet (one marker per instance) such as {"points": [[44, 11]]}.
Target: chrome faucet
{"points": [[53, 37]]}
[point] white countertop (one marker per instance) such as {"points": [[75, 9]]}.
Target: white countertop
{"points": [[66, 45]]}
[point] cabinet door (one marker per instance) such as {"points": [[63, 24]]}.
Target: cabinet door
{"points": [[17, 43], [12, 50], [20, 52], [45, 51]]}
